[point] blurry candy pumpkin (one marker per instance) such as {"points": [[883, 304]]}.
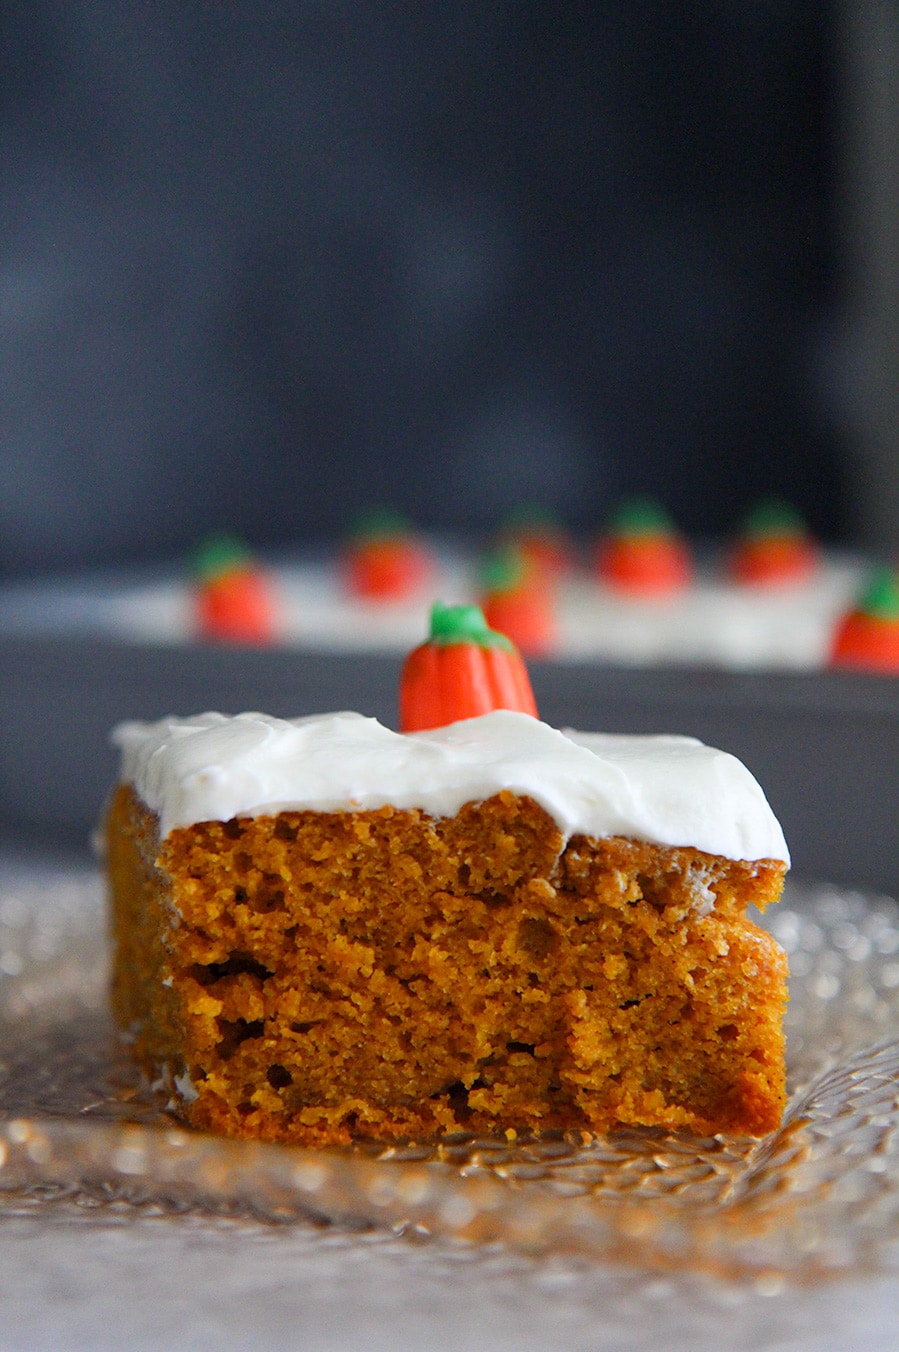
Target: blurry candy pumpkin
{"points": [[540, 539], [233, 598], [641, 553], [775, 547], [518, 601], [384, 560], [867, 637]]}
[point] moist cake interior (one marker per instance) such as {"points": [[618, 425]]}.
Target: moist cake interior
{"points": [[322, 976]]}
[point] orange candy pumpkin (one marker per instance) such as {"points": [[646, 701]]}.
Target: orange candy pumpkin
{"points": [[465, 669], [867, 638], [384, 560], [775, 548], [233, 600], [518, 601], [540, 539], [641, 554], [525, 616]]}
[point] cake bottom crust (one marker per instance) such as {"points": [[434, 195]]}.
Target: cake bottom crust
{"points": [[320, 977]]}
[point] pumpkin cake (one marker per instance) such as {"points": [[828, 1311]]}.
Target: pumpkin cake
{"points": [[326, 930]]}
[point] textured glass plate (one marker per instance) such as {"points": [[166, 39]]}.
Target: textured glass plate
{"points": [[820, 1195]]}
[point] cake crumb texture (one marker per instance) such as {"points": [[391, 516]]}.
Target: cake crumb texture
{"points": [[387, 974]]}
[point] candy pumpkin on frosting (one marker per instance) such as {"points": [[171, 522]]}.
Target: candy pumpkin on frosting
{"points": [[384, 559], [867, 638], [517, 600], [641, 553], [465, 669], [540, 539], [233, 599], [775, 547]]}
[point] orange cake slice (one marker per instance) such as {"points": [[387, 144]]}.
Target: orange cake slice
{"points": [[326, 930]]}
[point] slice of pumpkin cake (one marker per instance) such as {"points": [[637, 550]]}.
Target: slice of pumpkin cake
{"points": [[324, 929]]}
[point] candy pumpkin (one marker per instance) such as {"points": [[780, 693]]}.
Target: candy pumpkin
{"points": [[641, 553], [540, 539], [518, 600], [775, 548], [867, 638], [384, 560], [233, 599], [463, 670]]}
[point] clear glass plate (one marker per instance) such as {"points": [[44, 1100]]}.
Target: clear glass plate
{"points": [[820, 1195]]}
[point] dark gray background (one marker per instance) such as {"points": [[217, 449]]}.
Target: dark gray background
{"points": [[263, 263]]}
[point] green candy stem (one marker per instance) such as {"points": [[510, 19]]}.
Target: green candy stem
{"points": [[503, 570], [775, 517], [380, 523], [641, 516], [881, 596], [464, 624], [220, 554]]}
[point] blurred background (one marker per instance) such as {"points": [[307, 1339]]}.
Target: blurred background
{"points": [[263, 264]]}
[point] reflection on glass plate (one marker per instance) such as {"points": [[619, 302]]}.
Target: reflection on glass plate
{"points": [[820, 1195]]}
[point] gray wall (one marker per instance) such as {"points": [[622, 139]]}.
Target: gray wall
{"points": [[869, 147], [264, 262]]}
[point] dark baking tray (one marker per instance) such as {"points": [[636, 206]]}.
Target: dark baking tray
{"points": [[824, 745]]}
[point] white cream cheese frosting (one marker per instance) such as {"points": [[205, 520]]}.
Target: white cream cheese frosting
{"points": [[665, 790]]}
